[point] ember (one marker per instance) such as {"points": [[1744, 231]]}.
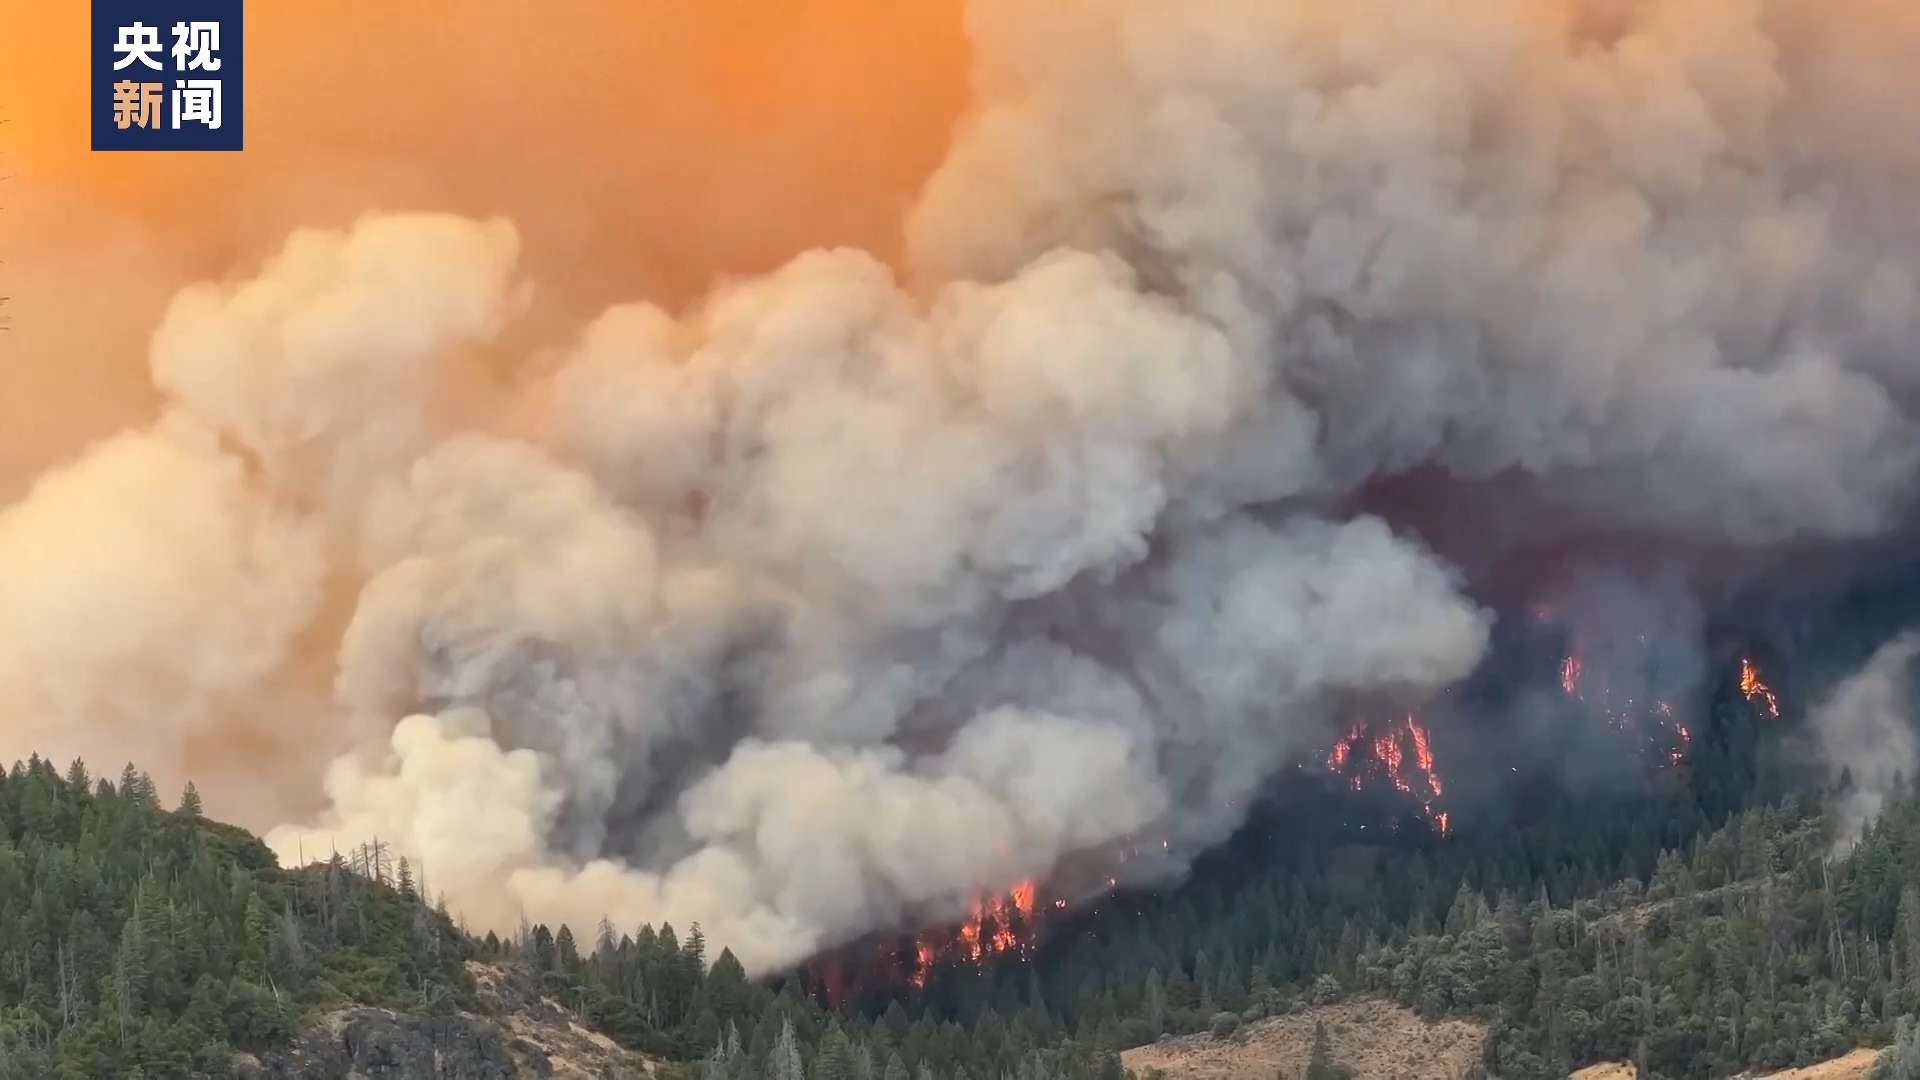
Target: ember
{"points": [[1624, 713], [1361, 752]]}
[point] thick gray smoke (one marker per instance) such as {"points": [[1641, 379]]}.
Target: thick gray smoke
{"points": [[835, 600], [1865, 733]]}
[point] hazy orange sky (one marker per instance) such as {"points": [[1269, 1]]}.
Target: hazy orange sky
{"points": [[642, 146]]}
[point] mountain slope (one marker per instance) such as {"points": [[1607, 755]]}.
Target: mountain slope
{"points": [[1369, 1037], [148, 943]]}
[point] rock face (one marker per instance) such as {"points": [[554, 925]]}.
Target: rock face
{"points": [[531, 1039], [374, 1044]]}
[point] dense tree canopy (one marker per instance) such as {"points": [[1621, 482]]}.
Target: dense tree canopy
{"points": [[138, 942], [1700, 925]]}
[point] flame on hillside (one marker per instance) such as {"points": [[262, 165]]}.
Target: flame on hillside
{"points": [[1402, 753], [996, 925], [1003, 925], [1756, 691], [1656, 720]]}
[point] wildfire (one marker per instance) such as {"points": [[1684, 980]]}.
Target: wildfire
{"points": [[997, 925], [1624, 714], [1354, 751], [1679, 753], [1756, 691], [1573, 672], [1570, 674]]}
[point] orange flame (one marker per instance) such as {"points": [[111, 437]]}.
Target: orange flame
{"points": [[923, 958], [995, 926], [1388, 750], [1756, 691], [1622, 714], [1679, 753]]}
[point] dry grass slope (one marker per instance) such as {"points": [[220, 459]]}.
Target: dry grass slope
{"points": [[1376, 1039], [1852, 1066]]}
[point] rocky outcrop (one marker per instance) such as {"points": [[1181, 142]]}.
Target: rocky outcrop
{"points": [[552, 1037], [375, 1044], [529, 1038]]}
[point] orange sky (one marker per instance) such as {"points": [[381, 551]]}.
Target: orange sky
{"points": [[642, 146]]}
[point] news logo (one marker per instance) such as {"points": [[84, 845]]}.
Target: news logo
{"points": [[167, 75]]}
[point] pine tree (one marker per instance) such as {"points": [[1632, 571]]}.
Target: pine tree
{"points": [[783, 1061], [835, 1060], [1901, 1061], [722, 1063], [190, 801], [896, 1068], [403, 881], [1320, 1063]]}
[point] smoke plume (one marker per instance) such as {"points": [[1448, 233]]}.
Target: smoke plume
{"points": [[845, 591], [1865, 733]]}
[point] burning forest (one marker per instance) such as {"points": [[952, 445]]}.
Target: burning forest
{"points": [[1395, 760], [1398, 754], [1756, 691], [1232, 380], [1001, 926]]}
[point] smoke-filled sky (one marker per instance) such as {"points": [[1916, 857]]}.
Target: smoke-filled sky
{"points": [[640, 149], [794, 470]]}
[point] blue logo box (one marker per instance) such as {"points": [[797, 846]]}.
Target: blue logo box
{"points": [[168, 75]]}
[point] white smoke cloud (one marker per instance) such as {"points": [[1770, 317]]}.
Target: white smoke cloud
{"points": [[795, 848], [1610, 244], [863, 497], [836, 599], [324, 366], [150, 597], [1865, 732]]}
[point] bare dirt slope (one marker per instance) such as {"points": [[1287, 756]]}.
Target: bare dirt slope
{"points": [[1854, 1066], [1851, 1066], [1376, 1039]]}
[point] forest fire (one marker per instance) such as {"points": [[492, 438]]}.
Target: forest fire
{"points": [[1625, 714], [997, 926], [1363, 752], [1574, 683], [1756, 691]]}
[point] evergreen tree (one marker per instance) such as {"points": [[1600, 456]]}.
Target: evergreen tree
{"points": [[1320, 1062], [783, 1061], [403, 881]]}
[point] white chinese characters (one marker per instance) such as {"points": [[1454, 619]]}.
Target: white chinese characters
{"points": [[196, 101], [162, 85], [194, 44], [137, 43]]}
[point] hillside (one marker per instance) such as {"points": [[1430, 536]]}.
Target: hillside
{"points": [[1373, 1038], [152, 943], [1852, 1065], [516, 1033]]}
